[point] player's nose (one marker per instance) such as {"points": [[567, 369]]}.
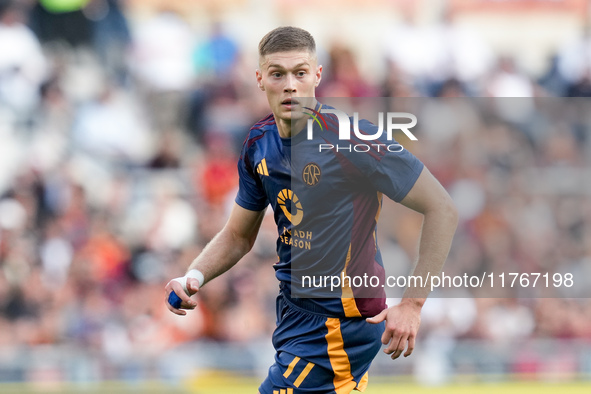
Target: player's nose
{"points": [[290, 84]]}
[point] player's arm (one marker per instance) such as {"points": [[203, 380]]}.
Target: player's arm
{"points": [[440, 219], [221, 253]]}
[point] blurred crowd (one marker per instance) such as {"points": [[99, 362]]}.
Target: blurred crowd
{"points": [[118, 150]]}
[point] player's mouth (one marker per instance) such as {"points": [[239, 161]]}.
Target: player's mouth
{"points": [[289, 103]]}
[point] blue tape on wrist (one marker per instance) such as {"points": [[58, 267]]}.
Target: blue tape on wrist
{"points": [[174, 300]]}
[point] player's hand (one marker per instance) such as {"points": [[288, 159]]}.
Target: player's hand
{"points": [[187, 301], [402, 325]]}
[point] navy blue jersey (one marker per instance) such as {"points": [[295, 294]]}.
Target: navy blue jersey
{"points": [[326, 204]]}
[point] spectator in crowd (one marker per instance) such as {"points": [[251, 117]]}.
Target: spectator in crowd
{"points": [[23, 66]]}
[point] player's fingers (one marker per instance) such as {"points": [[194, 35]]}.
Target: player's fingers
{"points": [[192, 285], [186, 301], [400, 348], [387, 335], [173, 309], [380, 317], [179, 293], [396, 346], [393, 339], [168, 295], [411, 346], [175, 304], [393, 344]]}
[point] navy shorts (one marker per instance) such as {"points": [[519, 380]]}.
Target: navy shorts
{"points": [[320, 354]]}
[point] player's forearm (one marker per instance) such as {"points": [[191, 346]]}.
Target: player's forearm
{"points": [[439, 226], [221, 254]]}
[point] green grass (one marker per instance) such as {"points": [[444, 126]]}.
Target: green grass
{"points": [[226, 384], [482, 388], [93, 388], [223, 383]]}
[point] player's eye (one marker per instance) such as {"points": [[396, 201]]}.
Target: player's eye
{"points": [[276, 75], [301, 73]]}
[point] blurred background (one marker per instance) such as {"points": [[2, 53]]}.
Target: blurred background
{"points": [[120, 127]]}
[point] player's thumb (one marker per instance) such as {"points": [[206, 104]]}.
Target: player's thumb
{"points": [[192, 285], [378, 318]]}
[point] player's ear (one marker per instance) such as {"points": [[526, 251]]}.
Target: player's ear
{"points": [[259, 76], [318, 75]]}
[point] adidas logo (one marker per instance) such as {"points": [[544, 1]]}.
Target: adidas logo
{"points": [[262, 168]]}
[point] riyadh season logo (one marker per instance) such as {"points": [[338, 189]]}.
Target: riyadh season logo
{"points": [[344, 121]]}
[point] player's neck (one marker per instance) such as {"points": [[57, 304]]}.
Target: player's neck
{"points": [[288, 129]]}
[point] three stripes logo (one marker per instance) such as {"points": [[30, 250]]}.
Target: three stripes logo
{"points": [[299, 378], [262, 168]]}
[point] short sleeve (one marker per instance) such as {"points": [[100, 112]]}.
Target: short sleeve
{"points": [[392, 170], [396, 173], [251, 194]]}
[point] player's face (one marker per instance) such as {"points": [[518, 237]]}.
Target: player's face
{"points": [[285, 76]]}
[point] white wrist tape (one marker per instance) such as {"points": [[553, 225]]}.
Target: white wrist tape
{"points": [[195, 274]]}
